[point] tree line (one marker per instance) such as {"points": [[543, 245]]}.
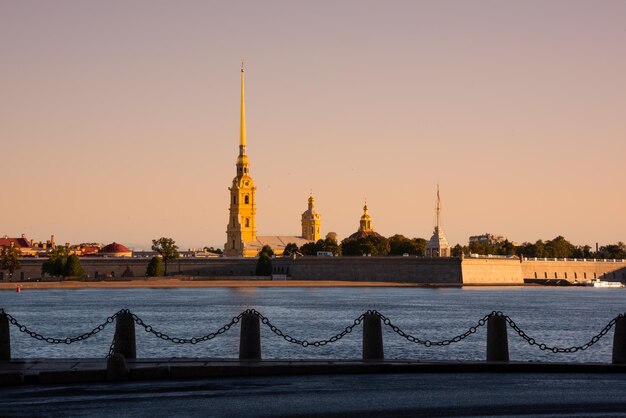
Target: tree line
{"points": [[558, 247], [63, 264]]}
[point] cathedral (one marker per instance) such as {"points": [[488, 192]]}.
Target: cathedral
{"points": [[241, 233]]}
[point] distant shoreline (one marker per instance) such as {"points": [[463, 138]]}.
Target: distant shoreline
{"points": [[181, 283]]}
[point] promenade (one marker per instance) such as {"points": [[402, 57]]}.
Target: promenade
{"points": [[64, 371], [224, 388]]}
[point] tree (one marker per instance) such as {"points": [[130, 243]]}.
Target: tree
{"points": [[167, 249], [267, 250], [55, 264], [457, 250], [290, 249], [10, 259], [264, 265], [213, 250], [331, 245], [369, 245], [73, 268], [310, 248], [155, 267], [420, 245], [613, 251], [559, 247], [400, 245]]}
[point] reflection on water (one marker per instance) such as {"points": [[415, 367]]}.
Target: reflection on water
{"points": [[556, 316]]}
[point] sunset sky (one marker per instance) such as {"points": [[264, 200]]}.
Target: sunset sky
{"points": [[119, 119]]}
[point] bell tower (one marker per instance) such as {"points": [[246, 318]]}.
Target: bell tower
{"points": [[311, 221], [241, 226]]}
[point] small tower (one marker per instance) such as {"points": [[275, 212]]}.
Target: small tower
{"points": [[438, 245], [242, 220], [311, 222], [365, 224]]}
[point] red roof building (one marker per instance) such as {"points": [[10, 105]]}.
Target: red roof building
{"points": [[115, 250], [22, 243]]}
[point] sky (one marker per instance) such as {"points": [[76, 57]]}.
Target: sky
{"points": [[119, 119]]}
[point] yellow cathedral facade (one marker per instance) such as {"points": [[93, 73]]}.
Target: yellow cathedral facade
{"points": [[241, 232]]}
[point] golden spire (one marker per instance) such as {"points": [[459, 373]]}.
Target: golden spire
{"points": [[438, 208], [242, 135]]}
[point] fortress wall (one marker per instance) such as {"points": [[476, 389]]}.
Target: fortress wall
{"points": [[574, 270], [469, 271], [383, 269], [119, 267], [491, 271]]}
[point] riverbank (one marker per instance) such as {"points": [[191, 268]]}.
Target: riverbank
{"points": [[162, 283]]}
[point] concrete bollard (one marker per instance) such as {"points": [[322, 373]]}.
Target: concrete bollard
{"points": [[497, 340], [250, 338], [372, 338], [619, 342], [5, 339], [116, 368], [124, 338]]}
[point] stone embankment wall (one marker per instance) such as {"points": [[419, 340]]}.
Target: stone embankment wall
{"points": [[502, 271], [580, 270], [436, 271], [119, 268], [491, 271], [443, 271], [402, 269]]}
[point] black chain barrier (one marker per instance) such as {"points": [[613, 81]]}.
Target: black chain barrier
{"points": [[556, 349], [68, 340], [318, 343]]}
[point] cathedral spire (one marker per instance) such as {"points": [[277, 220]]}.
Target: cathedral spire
{"points": [[243, 165], [438, 209], [242, 128]]}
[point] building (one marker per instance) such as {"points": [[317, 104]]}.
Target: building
{"points": [[365, 226], [241, 232], [23, 244], [438, 245], [115, 250], [311, 222], [487, 238]]}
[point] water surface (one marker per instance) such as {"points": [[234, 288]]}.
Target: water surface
{"points": [[556, 316]]}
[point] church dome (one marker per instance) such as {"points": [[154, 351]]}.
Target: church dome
{"points": [[116, 250], [365, 226]]}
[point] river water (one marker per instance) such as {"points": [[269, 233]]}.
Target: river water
{"points": [[555, 316]]}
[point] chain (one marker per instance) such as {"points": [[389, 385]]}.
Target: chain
{"points": [[68, 340], [193, 340], [428, 343], [306, 343], [555, 349]]}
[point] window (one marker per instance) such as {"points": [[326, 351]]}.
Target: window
{"points": [[585, 275], [545, 274], [233, 244], [595, 276], [575, 275], [247, 222], [246, 199], [234, 200], [565, 274], [555, 276], [535, 275]]}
